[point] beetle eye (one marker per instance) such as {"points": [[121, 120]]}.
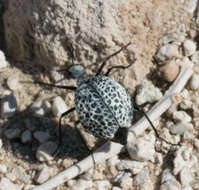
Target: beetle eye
{"points": [[75, 71]]}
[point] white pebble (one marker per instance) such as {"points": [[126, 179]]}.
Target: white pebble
{"points": [[40, 107], [194, 82], [44, 174], [103, 184], [195, 58], [116, 188], [147, 92], [80, 184], [181, 116], [26, 137], [134, 166], [20, 174], [1, 143], [3, 62], [41, 136], [3, 168], [181, 127], [58, 106], [191, 7], [8, 106], [13, 82], [7, 184], [186, 177], [142, 149], [168, 51], [189, 47], [45, 151]]}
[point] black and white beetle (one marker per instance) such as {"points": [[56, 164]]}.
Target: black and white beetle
{"points": [[103, 106]]}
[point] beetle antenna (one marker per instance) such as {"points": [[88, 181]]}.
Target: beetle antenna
{"points": [[154, 129]]}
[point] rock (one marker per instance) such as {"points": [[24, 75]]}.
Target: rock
{"points": [[44, 174], [189, 47], [181, 116], [12, 133], [169, 182], [142, 149], [168, 51], [45, 151], [194, 82], [7, 184], [116, 188], [147, 92], [103, 184], [195, 58], [26, 137], [181, 127], [191, 6], [184, 158], [142, 180], [80, 184], [58, 106], [186, 177], [134, 166], [196, 143], [124, 179], [41, 136], [169, 71], [13, 82], [3, 168], [40, 107], [1, 143], [3, 62], [8, 106], [21, 175]]}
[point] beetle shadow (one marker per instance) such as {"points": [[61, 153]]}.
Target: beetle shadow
{"points": [[72, 146]]}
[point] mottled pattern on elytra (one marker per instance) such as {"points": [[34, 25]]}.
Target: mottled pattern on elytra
{"points": [[103, 106]]}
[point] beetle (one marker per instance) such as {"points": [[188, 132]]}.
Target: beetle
{"points": [[103, 106]]}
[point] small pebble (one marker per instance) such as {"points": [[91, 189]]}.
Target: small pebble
{"points": [[195, 58], [44, 174], [41, 136], [21, 175], [26, 137], [40, 107], [170, 71], [189, 47], [3, 62], [13, 82], [80, 184], [12, 133], [124, 179], [3, 168], [186, 177], [1, 143], [147, 92], [116, 188], [103, 184], [181, 127], [181, 116], [45, 151], [168, 51], [191, 6], [58, 106], [8, 106], [142, 149], [194, 82], [6, 184]]}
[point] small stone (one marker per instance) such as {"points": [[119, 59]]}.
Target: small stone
{"points": [[189, 47], [169, 71], [186, 177], [40, 107], [26, 137], [1, 143], [21, 174], [44, 174], [134, 166], [147, 92], [3, 62], [191, 6], [196, 143], [45, 151], [195, 58], [142, 149], [168, 51], [116, 188], [125, 180], [181, 116], [194, 82], [41, 136], [58, 106], [80, 184], [188, 135], [8, 106], [12, 133], [13, 82], [3, 168], [103, 184], [181, 128], [7, 184]]}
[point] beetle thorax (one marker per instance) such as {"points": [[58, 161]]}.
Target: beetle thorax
{"points": [[83, 79]]}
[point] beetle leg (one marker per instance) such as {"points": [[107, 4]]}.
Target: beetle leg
{"points": [[110, 56]]}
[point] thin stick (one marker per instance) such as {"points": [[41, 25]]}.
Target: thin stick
{"points": [[111, 149]]}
